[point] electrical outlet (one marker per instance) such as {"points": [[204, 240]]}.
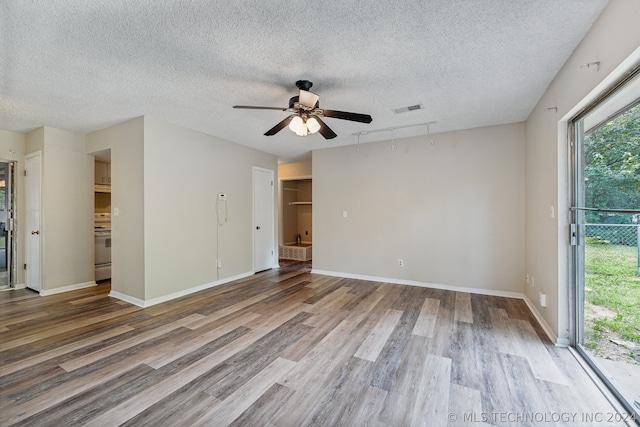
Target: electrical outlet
{"points": [[543, 300], [219, 263], [400, 263]]}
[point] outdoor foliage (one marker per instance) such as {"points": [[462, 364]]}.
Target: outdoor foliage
{"points": [[612, 167], [611, 279]]}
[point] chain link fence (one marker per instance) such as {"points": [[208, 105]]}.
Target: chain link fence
{"points": [[614, 234]]}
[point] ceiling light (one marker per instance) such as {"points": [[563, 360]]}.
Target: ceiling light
{"points": [[304, 126], [298, 126], [313, 125]]}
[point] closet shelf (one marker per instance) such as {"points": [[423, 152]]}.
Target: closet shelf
{"points": [[300, 203]]}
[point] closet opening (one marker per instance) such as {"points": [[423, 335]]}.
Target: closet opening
{"points": [[296, 242]]}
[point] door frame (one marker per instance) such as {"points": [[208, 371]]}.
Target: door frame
{"points": [[576, 217], [10, 225], [272, 221], [281, 182], [40, 279]]}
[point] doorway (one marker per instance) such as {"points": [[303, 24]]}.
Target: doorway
{"points": [[296, 240], [7, 222], [33, 203], [605, 234], [263, 219]]}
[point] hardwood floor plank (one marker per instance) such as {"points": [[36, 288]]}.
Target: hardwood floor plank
{"points": [[171, 351], [463, 311], [8, 345], [245, 396], [132, 407], [372, 346], [432, 409], [42, 357], [518, 338], [465, 406], [263, 409], [426, 322], [281, 348], [244, 365], [365, 408], [136, 340]]}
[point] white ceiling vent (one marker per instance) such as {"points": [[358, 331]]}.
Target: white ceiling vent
{"points": [[409, 108]]}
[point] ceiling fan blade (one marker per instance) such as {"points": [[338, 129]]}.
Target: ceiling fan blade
{"points": [[344, 115], [277, 128], [325, 130], [252, 107], [308, 99]]}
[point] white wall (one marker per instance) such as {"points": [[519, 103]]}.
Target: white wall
{"points": [[126, 142], [453, 211], [184, 170], [611, 40], [12, 148]]}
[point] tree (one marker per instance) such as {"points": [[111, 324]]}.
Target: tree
{"points": [[612, 167]]}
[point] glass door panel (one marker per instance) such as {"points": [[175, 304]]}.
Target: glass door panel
{"points": [[606, 231]]}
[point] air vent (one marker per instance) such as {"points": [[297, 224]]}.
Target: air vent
{"points": [[406, 109]]}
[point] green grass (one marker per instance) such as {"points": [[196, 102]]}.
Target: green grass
{"points": [[611, 279]]}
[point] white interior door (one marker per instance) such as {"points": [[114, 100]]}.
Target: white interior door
{"points": [[33, 276], [263, 219]]}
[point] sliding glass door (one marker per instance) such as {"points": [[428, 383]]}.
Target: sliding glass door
{"points": [[605, 235]]}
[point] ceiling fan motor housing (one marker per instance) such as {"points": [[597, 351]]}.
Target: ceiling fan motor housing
{"points": [[304, 84], [296, 99]]}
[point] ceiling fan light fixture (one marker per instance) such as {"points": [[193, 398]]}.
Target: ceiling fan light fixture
{"points": [[313, 125], [298, 126]]}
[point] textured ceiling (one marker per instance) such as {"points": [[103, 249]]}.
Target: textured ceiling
{"points": [[85, 65]]}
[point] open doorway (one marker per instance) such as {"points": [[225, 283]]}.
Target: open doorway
{"points": [[297, 220], [606, 239], [7, 212]]}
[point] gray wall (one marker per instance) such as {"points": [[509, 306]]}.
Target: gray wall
{"points": [[611, 40], [453, 211]]}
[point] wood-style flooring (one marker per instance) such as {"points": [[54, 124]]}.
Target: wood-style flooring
{"points": [[286, 348]]}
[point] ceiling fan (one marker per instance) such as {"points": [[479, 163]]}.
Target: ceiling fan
{"points": [[306, 110]]}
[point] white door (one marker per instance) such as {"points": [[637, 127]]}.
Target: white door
{"points": [[32, 201], [263, 219]]}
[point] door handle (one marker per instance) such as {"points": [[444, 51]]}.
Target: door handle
{"points": [[258, 227], [35, 232]]}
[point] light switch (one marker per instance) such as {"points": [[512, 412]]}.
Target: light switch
{"points": [[116, 211], [345, 214]]}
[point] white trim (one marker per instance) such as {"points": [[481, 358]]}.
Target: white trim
{"points": [[491, 292], [127, 298], [175, 295], [46, 292], [22, 286], [41, 254], [274, 216], [560, 342]]}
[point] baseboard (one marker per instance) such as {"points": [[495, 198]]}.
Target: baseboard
{"points": [[560, 342], [179, 294], [490, 292], [127, 298], [20, 286], [46, 292]]}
